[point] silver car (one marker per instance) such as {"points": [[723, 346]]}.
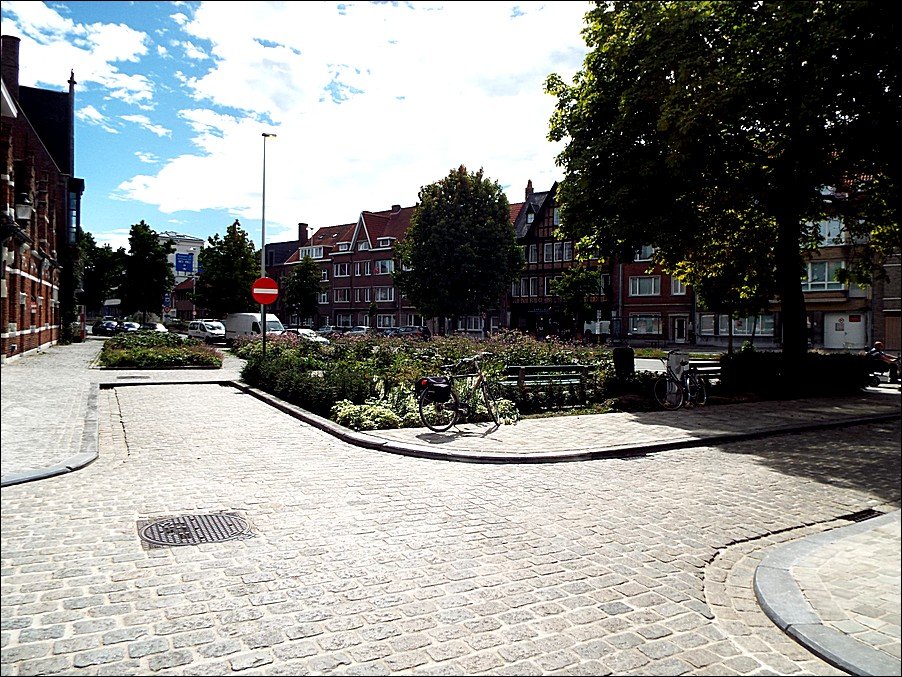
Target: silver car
{"points": [[206, 330]]}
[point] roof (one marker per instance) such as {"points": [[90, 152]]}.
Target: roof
{"points": [[536, 203]]}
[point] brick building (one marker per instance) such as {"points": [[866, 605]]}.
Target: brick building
{"points": [[41, 216]]}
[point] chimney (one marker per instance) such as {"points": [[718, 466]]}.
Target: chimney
{"points": [[302, 234], [528, 190], [10, 65], [395, 209]]}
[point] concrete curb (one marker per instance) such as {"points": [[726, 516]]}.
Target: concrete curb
{"points": [[88, 452], [560, 456], [785, 604]]}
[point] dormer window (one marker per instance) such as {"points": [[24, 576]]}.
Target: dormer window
{"points": [[344, 246], [530, 217], [385, 241], [363, 246]]}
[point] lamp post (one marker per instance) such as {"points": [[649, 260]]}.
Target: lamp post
{"points": [[263, 243]]}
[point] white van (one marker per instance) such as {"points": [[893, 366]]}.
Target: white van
{"points": [[248, 324]]}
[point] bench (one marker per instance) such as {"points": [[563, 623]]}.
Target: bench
{"points": [[708, 369], [538, 375]]}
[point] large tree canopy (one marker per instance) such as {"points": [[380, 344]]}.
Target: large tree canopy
{"points": [[460, 253], [100, 272], [712, 130], [229, 267], [148, 273]]}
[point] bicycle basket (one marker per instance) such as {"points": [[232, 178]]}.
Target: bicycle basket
{"points": [[438, 388]]}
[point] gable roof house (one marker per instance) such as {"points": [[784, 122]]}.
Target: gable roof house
{"points": [[41, 217]]}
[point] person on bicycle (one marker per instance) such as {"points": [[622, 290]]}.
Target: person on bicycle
{"points": [[887, 361]]}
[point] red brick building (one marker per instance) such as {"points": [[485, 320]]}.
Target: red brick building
{"points": [[40, 221]]}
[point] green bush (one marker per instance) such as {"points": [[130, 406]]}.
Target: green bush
{"points": [[157, 350], [765, 374]]}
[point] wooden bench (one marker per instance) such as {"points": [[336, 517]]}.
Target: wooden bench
{"points": [[538, 375], [708, 369]]}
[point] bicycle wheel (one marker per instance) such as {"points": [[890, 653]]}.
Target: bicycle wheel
{"points": [[698, 391], [491, 402], [439, 416], [668, 393]]}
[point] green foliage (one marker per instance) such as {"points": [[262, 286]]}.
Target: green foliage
{"points": [[460, 253], [574, 287], [230, 266], [101, 271], [302, 287], [148, 273], [709, 130], [765, 375], [157, 350]]}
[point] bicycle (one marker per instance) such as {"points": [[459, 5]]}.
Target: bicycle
{"points": [[439, 399], [672, 391]]}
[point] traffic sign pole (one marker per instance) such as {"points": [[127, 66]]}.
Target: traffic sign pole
{"points": [[265, 290]]}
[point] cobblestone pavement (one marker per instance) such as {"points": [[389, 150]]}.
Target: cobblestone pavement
{"points": [[361, 562]]}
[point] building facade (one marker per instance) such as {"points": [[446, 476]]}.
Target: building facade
{"points": [[41, 217]]}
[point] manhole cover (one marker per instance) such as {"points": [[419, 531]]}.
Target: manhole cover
{"points": [[862, 516], [194, 529]]}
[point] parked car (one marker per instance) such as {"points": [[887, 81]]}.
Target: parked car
{"points": [[307, 333], [153, 326], [207, 330], [388, 331], [248, 324], [104, 327], [421, 332], [330, 330], [128, 327], [360, 330]]}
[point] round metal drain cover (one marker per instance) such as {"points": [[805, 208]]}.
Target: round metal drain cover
{"points": [[194, 529]]}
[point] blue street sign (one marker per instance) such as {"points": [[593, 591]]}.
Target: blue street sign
{"points": [[184, 263]]}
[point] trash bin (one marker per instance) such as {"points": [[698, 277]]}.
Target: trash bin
{"points": [[624, 361]]}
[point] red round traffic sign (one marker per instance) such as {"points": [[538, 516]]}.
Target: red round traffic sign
{"points": [[265, 290]]}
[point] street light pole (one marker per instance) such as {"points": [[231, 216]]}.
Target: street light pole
{"points": [[263, 243]]}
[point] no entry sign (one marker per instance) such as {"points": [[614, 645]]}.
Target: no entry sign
{"points": [[265, 290]]}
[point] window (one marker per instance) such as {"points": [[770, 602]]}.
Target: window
{"points": [[342, 294], [515, 289], [821, 276], [605, 282], [677, 287], [270, 258], [344, 246], [323, 297], [558, 251], [645, 253], [368, 294], [386, 241], [385, 266], [648, 285], [341, 270], [533, 253], [568, 251], [743, 326], [533, 286], [557, 216], [357, 295], [831, 231], [312, 252], [548, 285], [324, 274], [363, 247], [524, 286], [706, 324], [548, 253], [645, 324], [385, 293], [343, 319], [385, 320], [530, 217], [367, 267]]}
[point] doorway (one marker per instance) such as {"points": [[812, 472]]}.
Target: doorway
{"points": [[679, 326]]}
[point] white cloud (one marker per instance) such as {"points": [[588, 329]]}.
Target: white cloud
{"points": [[92, 116], [145, 122], [147, 158]]}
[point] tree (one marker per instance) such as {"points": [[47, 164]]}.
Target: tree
{"points": [[694, 123], [574, 287], [229, 267], [302, 288], [148, 273], [460, 253], [101, 271]]}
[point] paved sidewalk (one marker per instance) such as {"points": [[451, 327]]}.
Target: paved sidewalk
{"points": [[836, 592]]}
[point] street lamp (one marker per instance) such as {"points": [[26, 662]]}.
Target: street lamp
{"points": [[263, 244], [263, 216]]}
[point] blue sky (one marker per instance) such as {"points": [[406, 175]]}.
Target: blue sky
{"points": [[369, 102]]}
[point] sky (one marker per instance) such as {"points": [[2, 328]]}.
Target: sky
{"points": [[369, 102]]}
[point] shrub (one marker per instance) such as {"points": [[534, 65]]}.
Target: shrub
{"points": [[156, 350]]}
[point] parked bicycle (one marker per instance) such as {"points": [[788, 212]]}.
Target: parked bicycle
{"points": [[672, 391], [446, 400]]}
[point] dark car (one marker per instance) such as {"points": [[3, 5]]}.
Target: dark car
{"points": [[104, 327], [420, 332], [126, 327]]}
